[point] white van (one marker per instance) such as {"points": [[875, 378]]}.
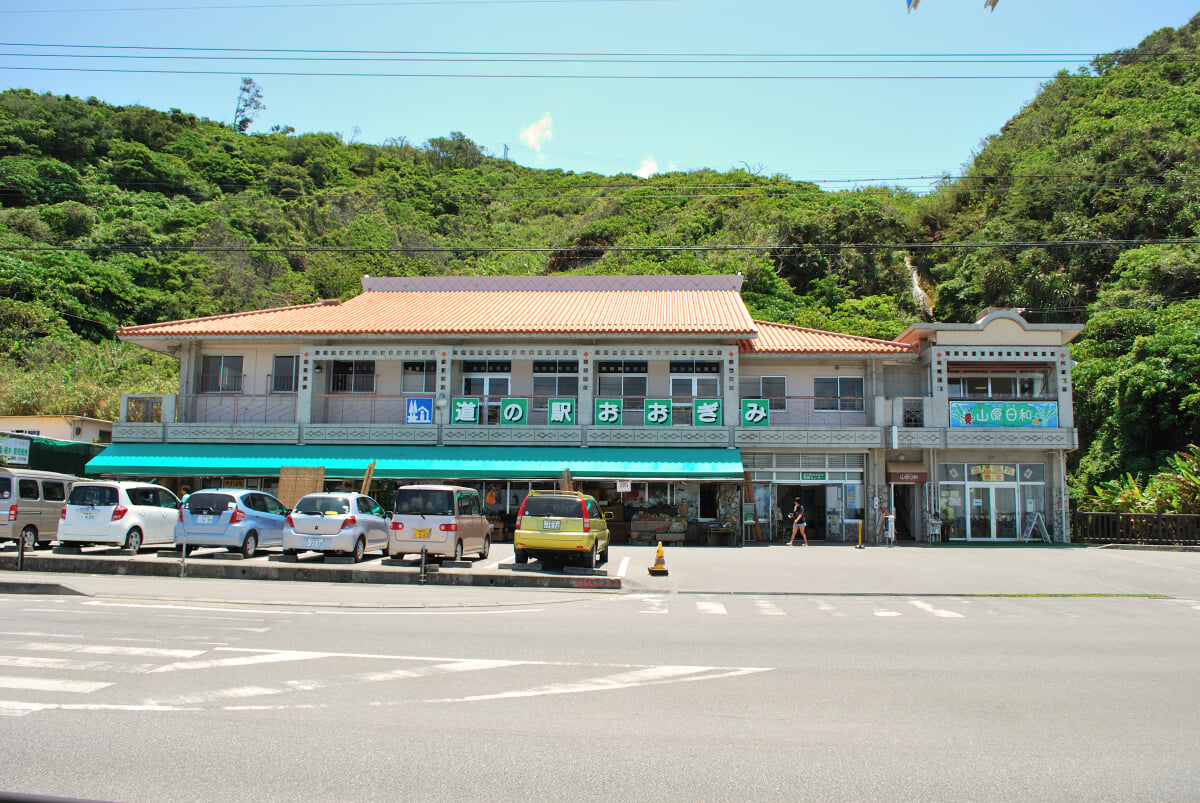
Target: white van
{"points": [[30, 504], [445, 520]]}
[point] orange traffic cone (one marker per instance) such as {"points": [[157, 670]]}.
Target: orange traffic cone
{"points": [[659, 569]]}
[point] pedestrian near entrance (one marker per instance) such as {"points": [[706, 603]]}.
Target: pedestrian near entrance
{"points": [[798, 524]]}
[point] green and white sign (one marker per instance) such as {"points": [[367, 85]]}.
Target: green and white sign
{"points": [[609, 412], [1003, 414], [813, 476], [464, 411], [755, 413], [656, 412], [561, 412], [706, 413], [15, 451], [514, 412]]}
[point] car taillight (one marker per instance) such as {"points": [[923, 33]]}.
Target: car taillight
{"points": [[63, 514], [288, 520], [349, 521], [12, 512], [236, 517], [587, 523], [521, 512], [119, 512], [396, 525], [448, 528], [180, 513]]}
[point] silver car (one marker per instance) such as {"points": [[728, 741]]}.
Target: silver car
{"points": [[336, 524], [237, 519]]}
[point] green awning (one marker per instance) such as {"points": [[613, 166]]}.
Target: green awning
{"points": [[415, 462]]}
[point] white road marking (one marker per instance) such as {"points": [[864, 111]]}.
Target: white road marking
{"points": [[105, 649], [886, 612], [70, 665], [205, 608], [245, 660], [15, 708], [768, 608], [654, 604], [826, 607], [38, 635], [711, 608], [648, 676], [51, 684], [928, 608], [623, 567]]}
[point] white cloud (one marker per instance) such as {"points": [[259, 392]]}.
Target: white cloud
{"points": [[649, 168], [537, 133]]}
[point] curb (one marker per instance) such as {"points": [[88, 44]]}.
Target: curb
{"points": [[37, 587], [296, 572]]}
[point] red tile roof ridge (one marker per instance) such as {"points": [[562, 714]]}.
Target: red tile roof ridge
{"points": [[562, 283], [831, 334], [149, 327], [870, 343]]}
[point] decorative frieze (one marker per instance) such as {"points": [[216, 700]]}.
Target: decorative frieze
{"points": [[370, 434], [232, 433]]}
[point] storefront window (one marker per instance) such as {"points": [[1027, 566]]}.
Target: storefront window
{"points": [[952, 507], [855, 507]]}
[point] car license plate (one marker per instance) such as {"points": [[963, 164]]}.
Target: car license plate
{"points": [[314, 543], [420, 533], [205, 518], [87, 515], [551, 524]]}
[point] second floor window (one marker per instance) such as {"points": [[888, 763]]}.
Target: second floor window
{"points": [[420, 377], [357, 376], [220, 374], [696, 380], [619, 379], [1026, 383], [489, 378], [286, 369], [555, 378], [773, 388], [842, 393]]}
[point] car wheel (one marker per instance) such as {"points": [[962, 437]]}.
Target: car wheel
{"points": [[520, 556], [360, 549], [487, 547], [29, 538], [589, 560], [133, 540], [457, 551], [250, 545]]}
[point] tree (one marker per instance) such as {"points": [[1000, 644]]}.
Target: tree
{"points": [[249, 104]]}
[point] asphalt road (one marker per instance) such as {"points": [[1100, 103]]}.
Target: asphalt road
{"points": [[649, 695]]}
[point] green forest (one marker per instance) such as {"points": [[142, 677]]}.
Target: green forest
{"points": [[112, 216]]}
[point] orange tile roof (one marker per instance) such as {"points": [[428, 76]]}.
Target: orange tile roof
{"points": [[483, 312], [778, 338]]}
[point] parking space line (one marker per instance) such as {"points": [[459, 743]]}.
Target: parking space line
{"points": [[623, 567], [51, 684]]}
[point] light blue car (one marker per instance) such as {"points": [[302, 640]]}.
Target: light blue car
{"points": [[237, 519]]}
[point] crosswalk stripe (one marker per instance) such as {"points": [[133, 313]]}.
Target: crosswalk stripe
{"points": [[107, 649], [711, 608], [71, 665], [943, 613], [768, 608], [245, 660], [51, 684]]}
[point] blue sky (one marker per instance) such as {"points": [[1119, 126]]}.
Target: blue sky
{"points": [[605, 102]]}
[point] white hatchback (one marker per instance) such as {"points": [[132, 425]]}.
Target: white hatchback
{"points": [[125, 514]]}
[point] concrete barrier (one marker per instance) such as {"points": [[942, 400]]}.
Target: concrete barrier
{"points": [[301, 571]]}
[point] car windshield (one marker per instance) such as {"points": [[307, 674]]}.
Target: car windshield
{"points": [[562, 506], [323, 505], [209, 503], [425, 502], [93, 495]]}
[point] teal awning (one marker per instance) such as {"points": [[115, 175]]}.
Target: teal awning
{"points": [[415, 462]]}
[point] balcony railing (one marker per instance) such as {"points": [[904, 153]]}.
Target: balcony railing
{"points": [[369, 408], [235, 408]]}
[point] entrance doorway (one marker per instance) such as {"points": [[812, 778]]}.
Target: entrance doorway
{"points": [[813, 497], [993, 514]]}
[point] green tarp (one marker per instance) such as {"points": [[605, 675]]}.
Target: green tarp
{"points": [[417, 462]]}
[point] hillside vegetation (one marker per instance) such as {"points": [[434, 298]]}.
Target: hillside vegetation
{"points": [[125, 215]]}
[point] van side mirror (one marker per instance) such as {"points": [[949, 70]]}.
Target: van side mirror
{"points": [[608, 515]]}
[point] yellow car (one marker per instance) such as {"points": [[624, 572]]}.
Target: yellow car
{"points": [[561, 525]]}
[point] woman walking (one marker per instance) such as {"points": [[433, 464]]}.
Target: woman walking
{"points": [[798, 525]]}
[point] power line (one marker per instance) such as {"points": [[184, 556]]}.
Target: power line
{"points": [[534, 76]]}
